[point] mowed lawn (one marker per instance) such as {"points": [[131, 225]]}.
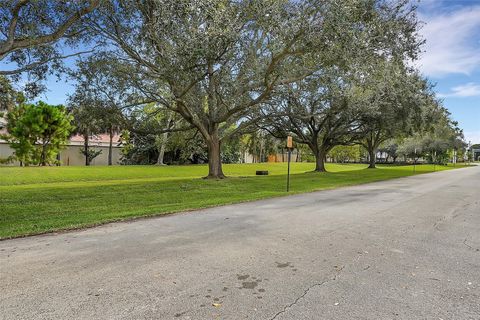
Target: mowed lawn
{"points": [[36, 200]]}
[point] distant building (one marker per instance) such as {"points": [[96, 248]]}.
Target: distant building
{"points": [[476, 152], [71, 155], [282, 156]]}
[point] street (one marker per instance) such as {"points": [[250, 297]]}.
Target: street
{"points": [[401, 249]]}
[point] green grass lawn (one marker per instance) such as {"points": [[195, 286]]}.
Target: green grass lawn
{"points": [[35, 200]]}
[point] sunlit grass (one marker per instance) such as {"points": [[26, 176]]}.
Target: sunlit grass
{"points": [[36, 200]]}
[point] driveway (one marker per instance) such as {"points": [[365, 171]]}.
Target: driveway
{"points": [[401, 249]]}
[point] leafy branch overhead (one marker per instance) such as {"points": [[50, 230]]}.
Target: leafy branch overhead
{"points": [[33, 34]]}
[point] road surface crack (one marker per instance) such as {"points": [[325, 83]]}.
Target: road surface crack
{"points": [[305, 292], [469, 246], [455, 213], [299, 298], [333, 277]]}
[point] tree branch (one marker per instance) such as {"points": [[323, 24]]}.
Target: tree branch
{"points": [[38, 63], [12, 44]]}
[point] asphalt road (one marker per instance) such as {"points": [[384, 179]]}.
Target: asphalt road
{"points": [[401, 249]]}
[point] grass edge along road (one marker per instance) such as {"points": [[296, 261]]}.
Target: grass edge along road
{"points": [[33, 201]]}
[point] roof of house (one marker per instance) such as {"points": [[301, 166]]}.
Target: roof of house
{"points": [[101, 140]]}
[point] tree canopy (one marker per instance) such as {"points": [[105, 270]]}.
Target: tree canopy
{"points": [[189, 78]]}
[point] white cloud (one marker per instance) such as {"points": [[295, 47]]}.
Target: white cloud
{"points": [[452, 44], [467, 90], [472, 136]]}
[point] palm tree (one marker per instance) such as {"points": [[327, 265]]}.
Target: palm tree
{"points": [[112, 121], [87, 123]]}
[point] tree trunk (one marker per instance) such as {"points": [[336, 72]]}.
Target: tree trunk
{"points": [[214, 160], [319, 159], [372, 157], [161, 152], [110, 148], [85, 149], [371, 144], [43, 156], [320, 163]]}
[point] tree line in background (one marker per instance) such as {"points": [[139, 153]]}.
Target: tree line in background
{"points": [[210, 81]]}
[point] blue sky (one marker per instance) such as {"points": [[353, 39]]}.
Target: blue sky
{"points": [[451, 60]]}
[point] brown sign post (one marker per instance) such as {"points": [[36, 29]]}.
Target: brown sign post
{"points": [[289, 148], [289, 142]]}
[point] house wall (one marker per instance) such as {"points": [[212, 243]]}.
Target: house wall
{"points": [[246, 158], [283, 157], [5, 152], [71, 156], [476, 154]]}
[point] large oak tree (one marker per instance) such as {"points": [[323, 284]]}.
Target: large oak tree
{"points": [[397, 102], [331, 107], [318, 111], [214, 62]]}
